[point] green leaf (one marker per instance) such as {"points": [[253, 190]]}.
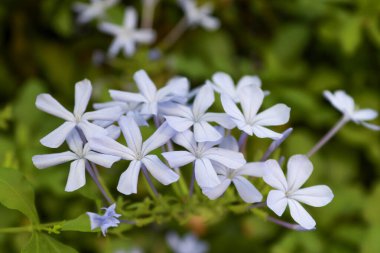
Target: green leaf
{"points": [[42, 243], [81, 224], [16, 193]]}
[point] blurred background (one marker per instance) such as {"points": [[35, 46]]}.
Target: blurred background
{"points": [[298, 48]]}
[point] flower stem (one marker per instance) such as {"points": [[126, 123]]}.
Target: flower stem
{"points": [[243, 141], [148, 13], [101, 182], [30, 228], [328, 136], [275, 144], [287, 224], [192, 182], [98, 184], [174, 34], [149, 180]]}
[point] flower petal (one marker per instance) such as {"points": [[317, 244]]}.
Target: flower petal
{"points": [[253, 169], [186, 140], [108, 146], [319, 195], [159, 170], [246, 190], [48, 160], [203, 132], [300, 215], [229, 142], [126, 96], [277, 201], [263, 132], [341, 101], [179, 124], [224, 84], [158, 138], [365, 114], [129, 179], [55, 138], [299, 170], [217, 191], [77, 175], [178, 158], [274, 176], [74, 141], [101, 159], [228, 158], [276, 115], [203, 100], [231, 109], [371, 126], [48, 104], [222, 119], [131, 133], [205, 173], [251, 99], [145, 84], [110, 113], [83, 90], [130, 18], [248, 81]]}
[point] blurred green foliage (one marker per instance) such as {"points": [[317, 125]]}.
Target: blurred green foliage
{"points": [[298, 48]]}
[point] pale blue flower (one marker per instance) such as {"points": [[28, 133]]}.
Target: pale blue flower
{"points": [[202, 154], [93, 10], [150, 98], [79, 155], [346, 105], [181, 117], [249, 120], [79, 118], [138, 153], [188, 244], [288, 193], [127, 35], [246, 190], [105, 221], [199, 15]]}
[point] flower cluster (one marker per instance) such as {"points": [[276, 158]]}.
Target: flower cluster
{"points": [[204, 139], [128, 34]]}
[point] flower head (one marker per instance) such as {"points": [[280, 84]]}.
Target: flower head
{"points": [[105, 221], [95, 9], [346, 105], [138, 153], [127, 35], [188, 244], [202, 154], [288, 190], [249, 120], [199, 15], [150, 98], [79, 118], [79, 155]]}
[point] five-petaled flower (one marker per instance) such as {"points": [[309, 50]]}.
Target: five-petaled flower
{"points": [[346, 105], [288, 190], [79, 118], [138, 153], [80, 154], [199, 15], [249, 120], [105, 221], [127, 35], [95, 9], [202, 154]]}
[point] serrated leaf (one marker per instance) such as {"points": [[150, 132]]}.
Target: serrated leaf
{"points": [[42, 243], [81, 224], [16, 193]]}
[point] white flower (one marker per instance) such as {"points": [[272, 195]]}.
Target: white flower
{"points": [[138, 153], [188, 244], [199, 15], [108, 219], [79, 155], [127, 35], [288, 190], [226, 175], [346, 105], [182, 117], [96, 9], [224, 84], [249, 120], [151, 98], [202, 154], [79, 118]]}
